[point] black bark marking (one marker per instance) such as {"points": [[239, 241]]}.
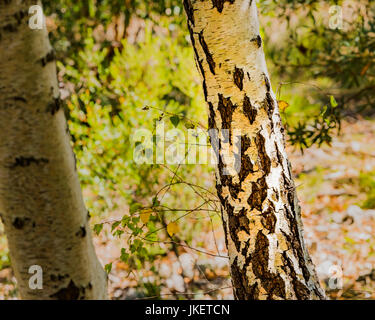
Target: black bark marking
{"points": [[49, 57], [269, 219], [294, 240], [269, 106], [19, 223], [226, 109], [199, 63], [189, 11], [71, 292], [238, 76], [81, 232], [258, 194], [249, 110], [265, 161], [219, 4], [279, 155], [27, 161], [267, 82], [272, 283], [54, 106], [211, 117], [20, 15], [257, 40], [300, 290], [19, 99], [58, 277], [246, 166], [234, 228], [209, 57], [242, 289]]}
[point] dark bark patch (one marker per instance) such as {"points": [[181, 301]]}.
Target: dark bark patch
{"points": [[272, 283], [279, 155], [189, 11], [238, 76], [267, 82], [27, 161], [269, 219], [258, 194], [19, 223], [234, 228], [49, 57], [245, 165], [269, 105], [265, 161], [211, 117], [71, 292], [21, 99], [294, 240], [301, 291], [209, 57], [249, 110], [20, 15], [58, 277], [226, 109], [234, 190], [81, 232], [242, 289], [219, 4], [257, 40], [54, 106]]}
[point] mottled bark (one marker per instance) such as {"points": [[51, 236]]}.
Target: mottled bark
{"points": [[260, 210], [41, 203]]}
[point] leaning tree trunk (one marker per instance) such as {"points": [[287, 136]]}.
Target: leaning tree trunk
{"points": [[261, 214], [41, 203]]}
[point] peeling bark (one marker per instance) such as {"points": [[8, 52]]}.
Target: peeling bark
{"points": [[41, 202], [260, 210]]}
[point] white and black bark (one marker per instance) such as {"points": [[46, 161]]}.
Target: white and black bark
{"points": [[41, 203], [260, 210]]}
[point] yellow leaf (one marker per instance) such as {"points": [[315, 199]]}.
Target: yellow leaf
{"points": [[283, 105], [121, 99], [145, 215], [172, 228]]}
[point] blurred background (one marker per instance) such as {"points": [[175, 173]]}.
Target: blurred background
{"points": [[124, 65]]}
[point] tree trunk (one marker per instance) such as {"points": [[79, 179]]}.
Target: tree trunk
{"points": [[41, 204], [260, 210]]}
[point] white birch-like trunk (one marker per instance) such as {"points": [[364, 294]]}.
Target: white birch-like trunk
{"points": [[41, 203], [260, 210]]}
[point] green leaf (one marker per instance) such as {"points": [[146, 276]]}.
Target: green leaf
{"points": [[98, 228], [175, 120], [334, 103], [134, 207], [108, 267], [325, 108], [124, 255], [115, 225], [155, 202], [189, 125]]}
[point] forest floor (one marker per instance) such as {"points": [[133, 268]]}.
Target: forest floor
{"points": [[336, 187]]}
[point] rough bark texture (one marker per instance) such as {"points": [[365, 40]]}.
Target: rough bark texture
{"points": [[41, 203], [260, 210]]}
